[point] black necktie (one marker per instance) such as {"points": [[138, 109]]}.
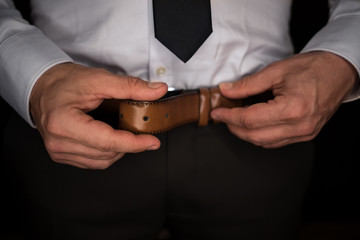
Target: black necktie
{"points": [[182, 25]]}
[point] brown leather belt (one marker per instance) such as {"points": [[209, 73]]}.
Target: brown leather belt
{"points": [[179, 108]]}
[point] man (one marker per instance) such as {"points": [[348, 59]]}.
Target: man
{"points": [[202, 182]]}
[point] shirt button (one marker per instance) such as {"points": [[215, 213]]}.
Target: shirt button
{"points": [[160, 71]]}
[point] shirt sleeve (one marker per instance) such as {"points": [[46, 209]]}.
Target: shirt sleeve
{"points": [[341, 36], [25, 54]]}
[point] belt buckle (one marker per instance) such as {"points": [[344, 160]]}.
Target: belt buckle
{"points": [[172, 91]]}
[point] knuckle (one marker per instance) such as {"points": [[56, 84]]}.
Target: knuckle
{"points": [[253, 138], [110, 155], [257, 141], [100, 71], [58, 160], [308, 129], [247, 123], [107, 156], [133, 82], [52, 125], [52, 145], [297, 112], [96, 73], [103, 166], [105, 147], [56, 157], [270, 146], [305, 139], [243, 83]]}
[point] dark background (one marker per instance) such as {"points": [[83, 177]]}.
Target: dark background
{"points": [[333, 193]]}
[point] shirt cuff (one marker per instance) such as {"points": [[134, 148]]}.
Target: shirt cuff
{"points": [[341, 37], [25, 57]]}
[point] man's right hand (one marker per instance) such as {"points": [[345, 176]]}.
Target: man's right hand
{"points": [[59, 104]]}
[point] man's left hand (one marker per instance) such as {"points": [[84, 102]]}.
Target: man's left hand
{"points": [[308, 88]]}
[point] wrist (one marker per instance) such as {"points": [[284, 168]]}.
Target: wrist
{"points": [[342, 68], [48, 78]]}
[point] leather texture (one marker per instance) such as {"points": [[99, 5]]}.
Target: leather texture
{"points": [[152, 117]]}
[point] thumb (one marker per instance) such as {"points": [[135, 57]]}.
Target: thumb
{"points": [[126, 87], [246, 87]]}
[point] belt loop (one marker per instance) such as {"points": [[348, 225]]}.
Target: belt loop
{"points": [[215, 98], [204, 107]]}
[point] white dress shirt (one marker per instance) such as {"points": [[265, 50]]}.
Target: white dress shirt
{"points": [[118, 35]]}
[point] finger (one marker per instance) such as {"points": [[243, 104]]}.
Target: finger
{"points": [[82, 162], [288, 142], [99, 135], [59, 146], [274, 136], [71, 163], [247, 86], [259, 115], [126, 87]]}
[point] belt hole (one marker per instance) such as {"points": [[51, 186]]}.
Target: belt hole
{"points": [[167, 115], [121, 115], [146, 118]]}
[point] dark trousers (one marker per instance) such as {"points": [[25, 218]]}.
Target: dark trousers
{"points": [[204, 183]]}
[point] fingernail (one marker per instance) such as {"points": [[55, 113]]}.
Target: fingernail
{"points": [[154, 84], [153, 147], [226, 85]]}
